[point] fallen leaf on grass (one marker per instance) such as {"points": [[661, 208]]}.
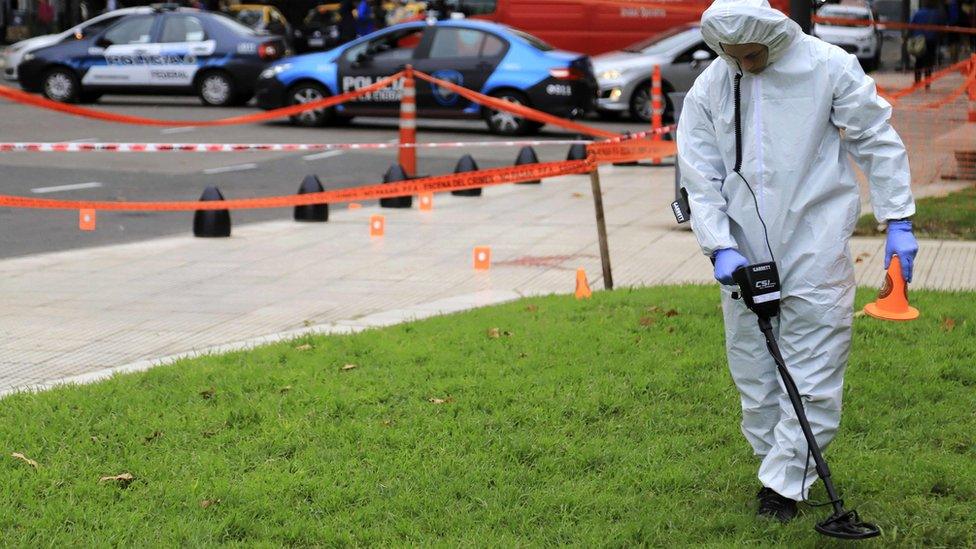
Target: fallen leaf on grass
{"points": [[670, 313], [531, 308], [285, 389], [434, 400], [495, 333], [304, 347], [387, 422], [208, 394], [153, 436], [208, 434], [647, 321], [948, 324], [859, 314], [208, 502], [653, 309], [25, 459], [123, 479], [348, 367]]}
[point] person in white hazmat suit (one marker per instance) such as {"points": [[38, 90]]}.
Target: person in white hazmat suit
{"points": [[805, 107]]}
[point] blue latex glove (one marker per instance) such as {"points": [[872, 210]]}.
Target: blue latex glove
{"points": [[727, 260], [901, 241]]}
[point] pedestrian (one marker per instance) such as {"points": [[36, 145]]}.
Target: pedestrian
{"points": [[953, 18], [45, 16], [763, 145], [924, 44], [364, 19], [347, 22]]}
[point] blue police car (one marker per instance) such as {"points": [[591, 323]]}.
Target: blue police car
{"points": [[493, 59], [168, 50]]}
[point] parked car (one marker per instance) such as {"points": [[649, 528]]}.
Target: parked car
{"points": [[319, 29], [262, 18], [11, 56], [168, 50], [624, 76], [861, 37], [486, 57]]}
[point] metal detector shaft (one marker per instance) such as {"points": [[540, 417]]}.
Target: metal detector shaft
{"points": [[794, 394]]}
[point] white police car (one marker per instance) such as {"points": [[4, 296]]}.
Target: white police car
{"points": [[170, 50]]}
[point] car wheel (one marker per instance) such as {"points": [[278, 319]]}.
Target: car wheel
{"points": [[640, 104], [309, 92], [62, 85], [216, 88], [506, 123]]}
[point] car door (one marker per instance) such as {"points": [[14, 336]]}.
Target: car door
{"points": [[463, 56], [366, 62], [183, 47], [119, 56]]}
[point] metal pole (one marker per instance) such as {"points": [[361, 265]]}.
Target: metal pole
{"points": [[601, 228], [800, 12]]}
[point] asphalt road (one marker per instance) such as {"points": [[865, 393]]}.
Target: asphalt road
{"points": [[183, 176]]}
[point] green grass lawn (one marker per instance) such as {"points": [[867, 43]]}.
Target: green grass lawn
{"points": [[952, 216], [608, 422]]}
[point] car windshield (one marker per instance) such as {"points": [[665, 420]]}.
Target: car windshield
{"points": [[536, 43], [250, 18], [322, 17], [665, 41], [233, 25], [838, 13]]}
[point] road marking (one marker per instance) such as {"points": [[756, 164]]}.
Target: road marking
{"points": [[74, 187], [181, 129], [321, 155], [234, 168]]}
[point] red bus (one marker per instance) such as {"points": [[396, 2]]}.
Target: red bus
{"points": [[590, 26]]}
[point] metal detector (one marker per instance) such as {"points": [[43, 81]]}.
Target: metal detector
{"points": [[760, 290]]}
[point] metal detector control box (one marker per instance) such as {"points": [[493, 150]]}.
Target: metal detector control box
{"points": [[760, 289]]}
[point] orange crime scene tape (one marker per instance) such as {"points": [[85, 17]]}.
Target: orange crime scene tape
{"points": [[604, 152]]}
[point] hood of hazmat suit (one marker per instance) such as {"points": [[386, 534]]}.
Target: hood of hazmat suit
{"points": [[802, 119]]}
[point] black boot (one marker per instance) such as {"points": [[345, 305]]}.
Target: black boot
{"points": [[773, 505]]}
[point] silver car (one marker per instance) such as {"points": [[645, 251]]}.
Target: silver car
{"points": [[624, 76]]}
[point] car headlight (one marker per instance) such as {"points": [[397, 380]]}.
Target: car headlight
{"points": [[271, 72], [610, 74]]}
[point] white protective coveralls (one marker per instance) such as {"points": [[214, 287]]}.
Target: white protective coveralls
{"points": [[796, 160]]}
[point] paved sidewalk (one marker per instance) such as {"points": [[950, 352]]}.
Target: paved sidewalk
{"points": [[77, 315]]}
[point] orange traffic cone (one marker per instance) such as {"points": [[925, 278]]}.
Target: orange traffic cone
{"points": [[582, 286], [892, 302]]}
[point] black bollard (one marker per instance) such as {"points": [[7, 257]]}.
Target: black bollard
{"points": [[577, 152], [527, 155], [211, 223], [311, 212], [395, 174], [466, 164]]}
